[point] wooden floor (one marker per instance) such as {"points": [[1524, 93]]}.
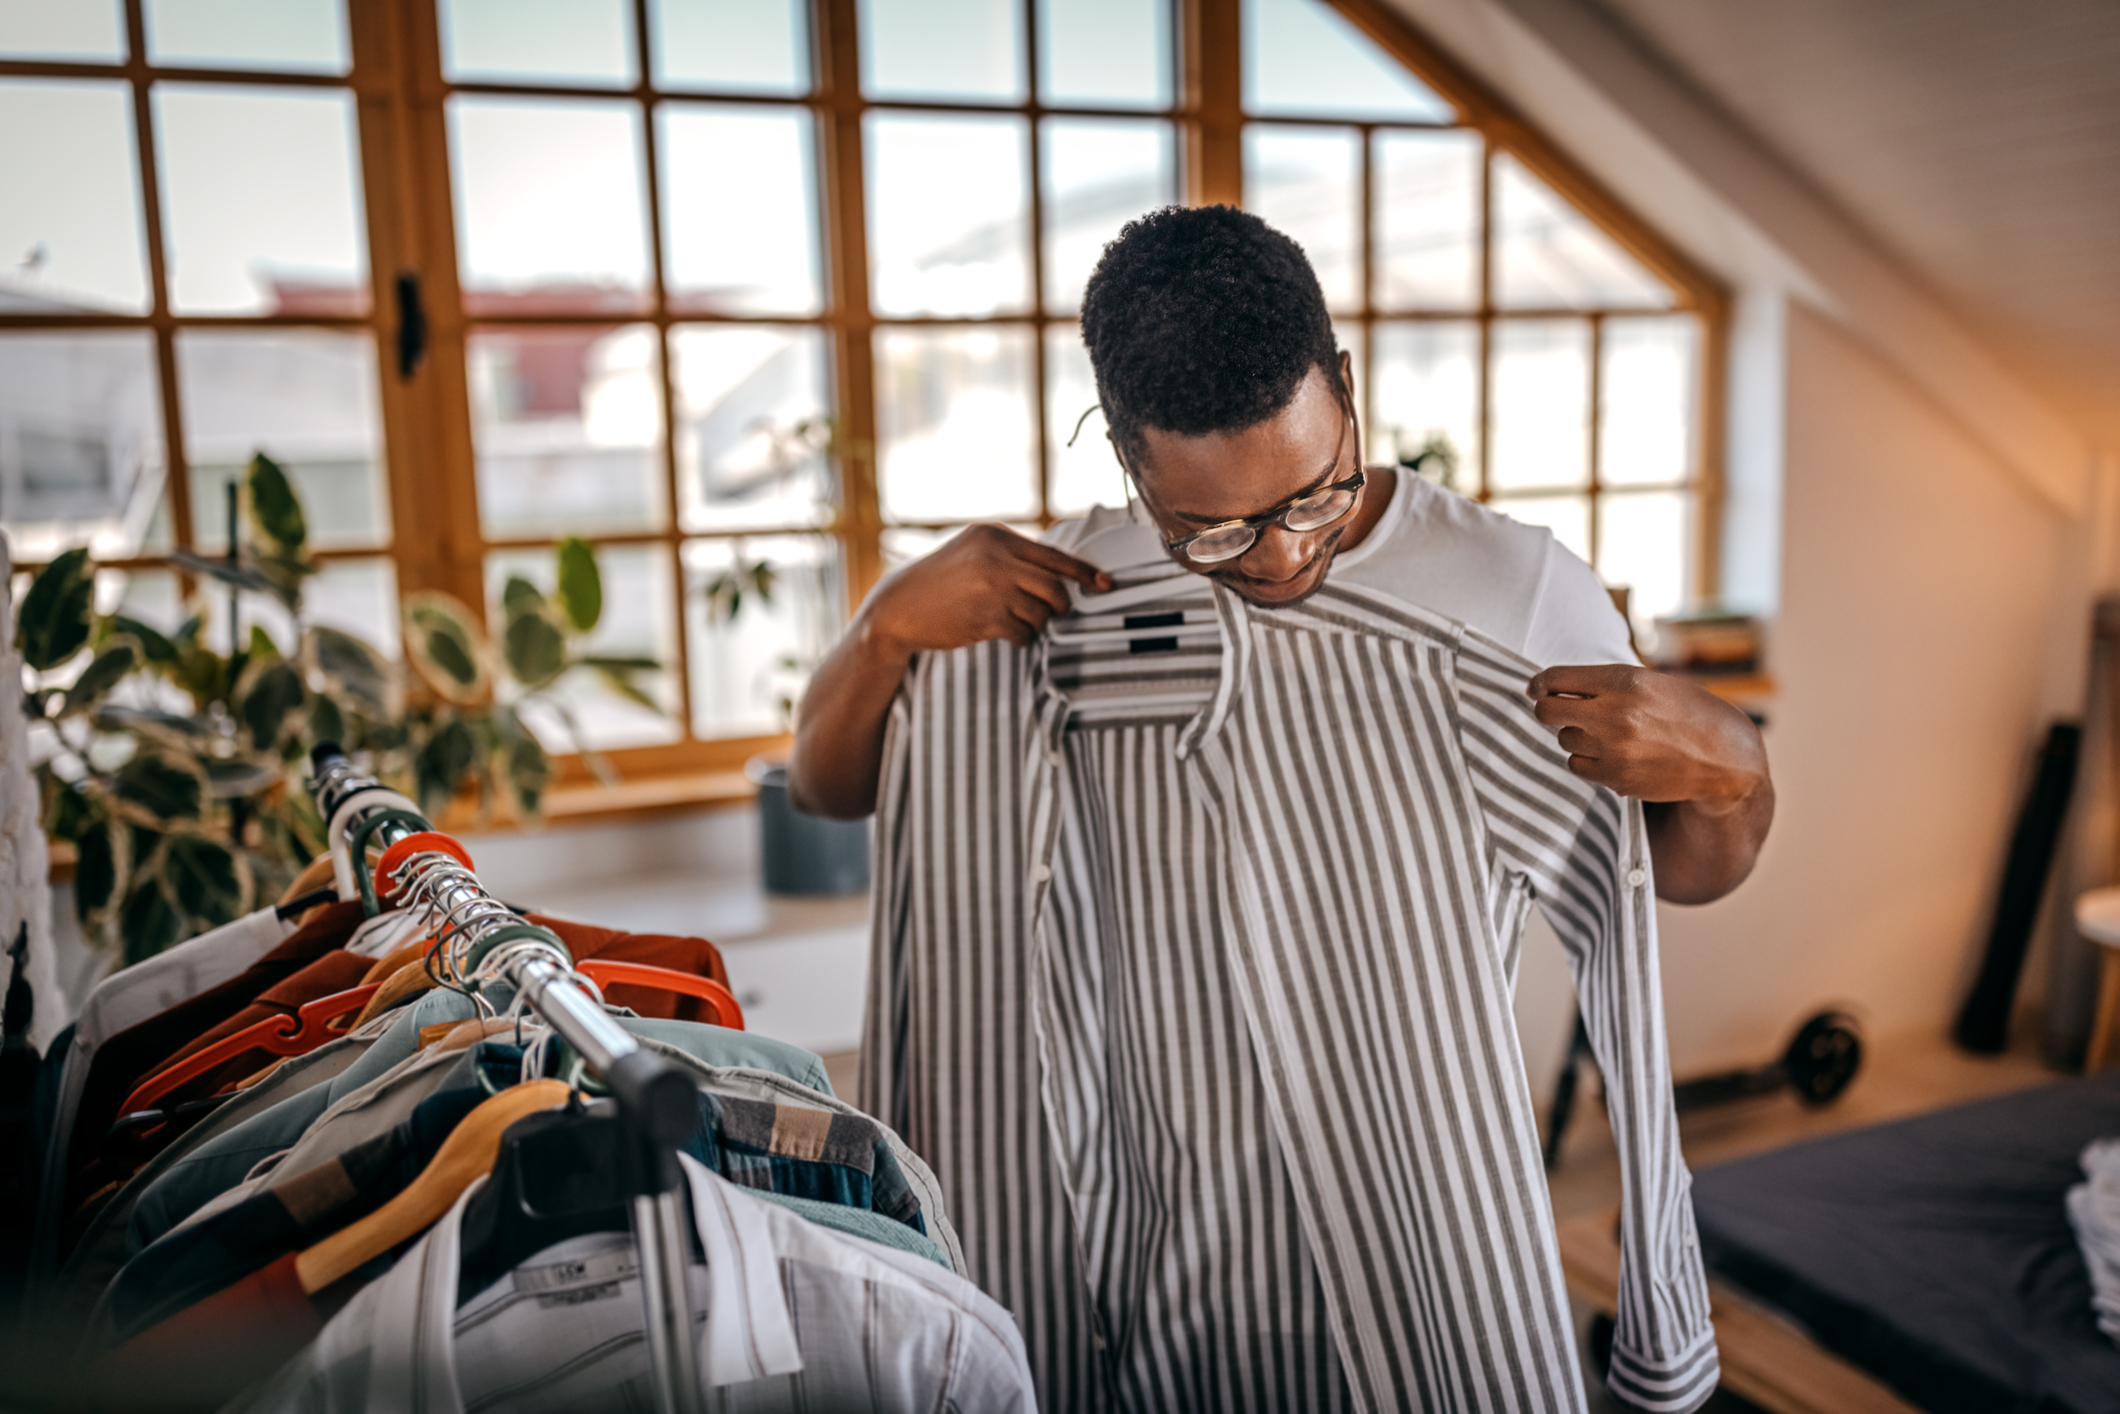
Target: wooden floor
{"points": [[1901, 1075]]}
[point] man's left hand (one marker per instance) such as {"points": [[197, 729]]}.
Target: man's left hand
{"points": [[1697, 760]]}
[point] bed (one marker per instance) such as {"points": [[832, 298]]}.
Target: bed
{"points": [[1926, 1264]]}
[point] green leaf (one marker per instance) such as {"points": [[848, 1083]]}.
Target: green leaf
{"points": [[442, 765], [529, 771], [444, 644], [202, 875], [623, 684], [240, 778], [272, 694], [95, 870], [354, 670], [166, 727], [148, 923], [54, 619], [161, 786], [326, 721], [534, 649], [187, 634], [204, 674], [620, 664], [275, 510], [262, 649], [72, 812], [153, 646], [216, 567], [520, 596], [581, 588], [103, 673]]}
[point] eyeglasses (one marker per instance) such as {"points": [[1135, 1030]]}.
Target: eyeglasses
{"points": [[1314, 510]]}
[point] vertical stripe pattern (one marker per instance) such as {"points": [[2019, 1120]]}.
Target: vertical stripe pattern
{"points": [[1192, 980]]}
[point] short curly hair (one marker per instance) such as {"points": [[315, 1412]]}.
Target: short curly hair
{"points": [[1203, 319]]}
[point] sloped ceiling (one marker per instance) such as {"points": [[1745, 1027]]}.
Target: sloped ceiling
{"points": [[1978, 141]]}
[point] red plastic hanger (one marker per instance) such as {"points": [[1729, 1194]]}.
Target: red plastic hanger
{"points": [[307, 1029], [665, 979]]}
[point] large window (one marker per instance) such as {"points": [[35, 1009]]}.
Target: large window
{"points": [[760, 292]]}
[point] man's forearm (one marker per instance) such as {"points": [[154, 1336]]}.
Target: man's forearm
{"points": [[840, 726], [1705, 848]]}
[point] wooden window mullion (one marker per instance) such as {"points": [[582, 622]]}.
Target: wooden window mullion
{"points": [[836, 26]]}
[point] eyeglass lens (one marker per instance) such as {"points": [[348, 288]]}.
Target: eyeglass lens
{"points": [[1313, 512]]}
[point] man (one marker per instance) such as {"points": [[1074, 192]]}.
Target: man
{"points": [[1228, 404], [1227, 401]]}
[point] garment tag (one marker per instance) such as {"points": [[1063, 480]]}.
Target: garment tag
{"points": [[581, 1280]]}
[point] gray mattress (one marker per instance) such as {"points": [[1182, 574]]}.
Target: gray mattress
{"points": [[1934, 1253]]}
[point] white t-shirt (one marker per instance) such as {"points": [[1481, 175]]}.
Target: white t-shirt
{"points": [[1511, 581]]}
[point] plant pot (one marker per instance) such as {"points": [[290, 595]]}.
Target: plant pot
{"points": [[805, 855]]}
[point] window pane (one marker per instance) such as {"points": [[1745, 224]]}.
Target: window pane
{"points": [[71, 216], [740, 205], [942, 49], [1541, 397], [549, 204], [1427, 220], [1099, 174], [569, 41], [752, 408], [953, 415], [1427, 387], [1301, 57], [750, 46], [1548, 255], [1568, 517], [354, 596], [1086, 474], [260, 201], [1645, 541], [904, 544], [1651, 389], [579, 709], [88, 30], [303, 35], [949, 214], [748, 670], [307, 399], [151, 596], [1350, 338], [81, 444], [1104, 51], [567, 424], [1307, 182]]}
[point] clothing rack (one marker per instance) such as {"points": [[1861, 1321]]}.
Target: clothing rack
{"points": [[657, 1106]]}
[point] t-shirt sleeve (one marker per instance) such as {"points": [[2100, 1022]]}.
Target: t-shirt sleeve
{"points": [[1573, 619]]}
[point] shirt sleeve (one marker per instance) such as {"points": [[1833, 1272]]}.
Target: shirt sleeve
{"points": [[1573, 619]]}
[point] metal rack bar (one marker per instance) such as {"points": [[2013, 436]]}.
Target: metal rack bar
{"points": [[657, 1107]]}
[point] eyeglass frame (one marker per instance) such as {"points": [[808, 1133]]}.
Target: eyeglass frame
{"points": [[1278, 514]]}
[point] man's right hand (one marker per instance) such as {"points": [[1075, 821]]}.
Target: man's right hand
{"points": [[987, 582]]}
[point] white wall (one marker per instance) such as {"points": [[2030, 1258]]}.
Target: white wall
{"points": [[1920, 579]]}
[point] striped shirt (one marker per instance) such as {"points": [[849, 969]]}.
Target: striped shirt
{"points": [[1196, 931]]}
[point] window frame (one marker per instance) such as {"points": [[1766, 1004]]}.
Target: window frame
{"points": [[395, 76]]}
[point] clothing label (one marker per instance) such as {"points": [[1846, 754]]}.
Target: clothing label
{"points": [[604, 1270]]}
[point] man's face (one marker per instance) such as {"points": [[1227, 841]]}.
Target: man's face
{"points": [[1188, 483]]}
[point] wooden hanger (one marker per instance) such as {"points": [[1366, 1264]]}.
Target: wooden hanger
{"points": [[455, 1035], [408, 981], [317, 875], [412, 954], [468, 1153]]}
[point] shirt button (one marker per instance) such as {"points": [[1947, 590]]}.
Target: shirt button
{"points": [[1041, 872], [1636, 877]]}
